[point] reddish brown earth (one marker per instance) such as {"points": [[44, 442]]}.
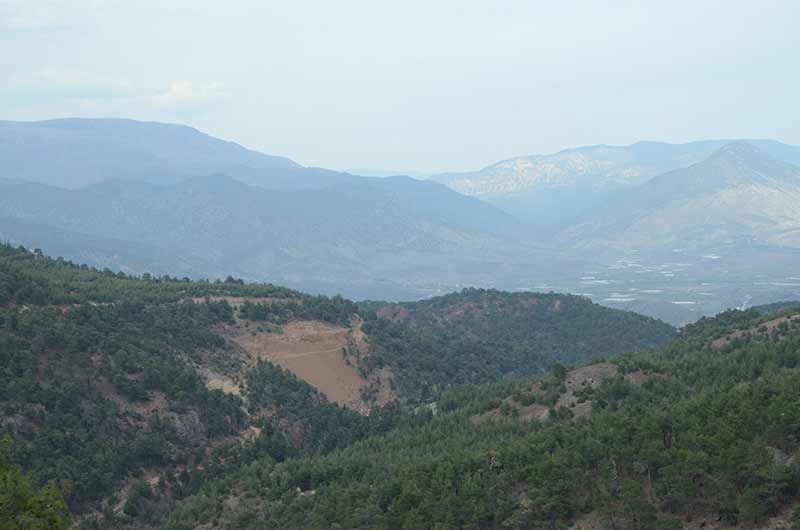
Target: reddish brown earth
{"points": [[393, 313], [321, 354]]}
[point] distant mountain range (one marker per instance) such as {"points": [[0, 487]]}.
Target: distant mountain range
{"points": [[133, 196], [71, 153], [370, 237], [552, 191], [673, 231]]}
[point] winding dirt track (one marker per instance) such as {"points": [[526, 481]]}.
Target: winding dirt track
{"points": [[276, 356]]}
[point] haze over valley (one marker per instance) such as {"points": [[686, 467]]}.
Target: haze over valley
{"points": [[673, 231]]}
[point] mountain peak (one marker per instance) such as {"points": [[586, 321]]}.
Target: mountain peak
{"points": [[74, 152], [738, 150], [739, 161]]}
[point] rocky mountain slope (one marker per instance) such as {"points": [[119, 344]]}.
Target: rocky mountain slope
{"points": [[552, 190], [738, 194]]}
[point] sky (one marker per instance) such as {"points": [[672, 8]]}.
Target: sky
{"points": [[414, 85]]}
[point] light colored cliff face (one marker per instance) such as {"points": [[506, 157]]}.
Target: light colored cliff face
{"points": [[524, 174], [529, 173], [587, 167], [594, 168], [599, 194]]}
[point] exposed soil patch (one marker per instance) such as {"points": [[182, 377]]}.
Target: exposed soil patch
{"points": [[638, 377], [216, 381], [393, 313], [322, 354], [458, 311], [534, 412], [585, 377]]}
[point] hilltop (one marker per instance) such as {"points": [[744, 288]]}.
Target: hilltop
{"points": [[79, 152], [480, 335]]}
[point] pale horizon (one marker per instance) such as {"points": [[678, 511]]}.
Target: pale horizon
{"points": [[451, 87]]}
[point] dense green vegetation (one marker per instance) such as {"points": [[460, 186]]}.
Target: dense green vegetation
{"points": [[335, 309], [100, 384], [31, 278], [22, 505], [75, 385], [709, 434], [480, 335], [103, 389], [324, 425]]}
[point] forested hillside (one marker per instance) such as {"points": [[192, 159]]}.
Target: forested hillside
{"points": [[105, 389], [479, 335], [702, 433], [128, 393], [104, 385]]}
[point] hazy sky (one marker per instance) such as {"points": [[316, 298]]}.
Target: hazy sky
{"points": [[411, 85]]}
